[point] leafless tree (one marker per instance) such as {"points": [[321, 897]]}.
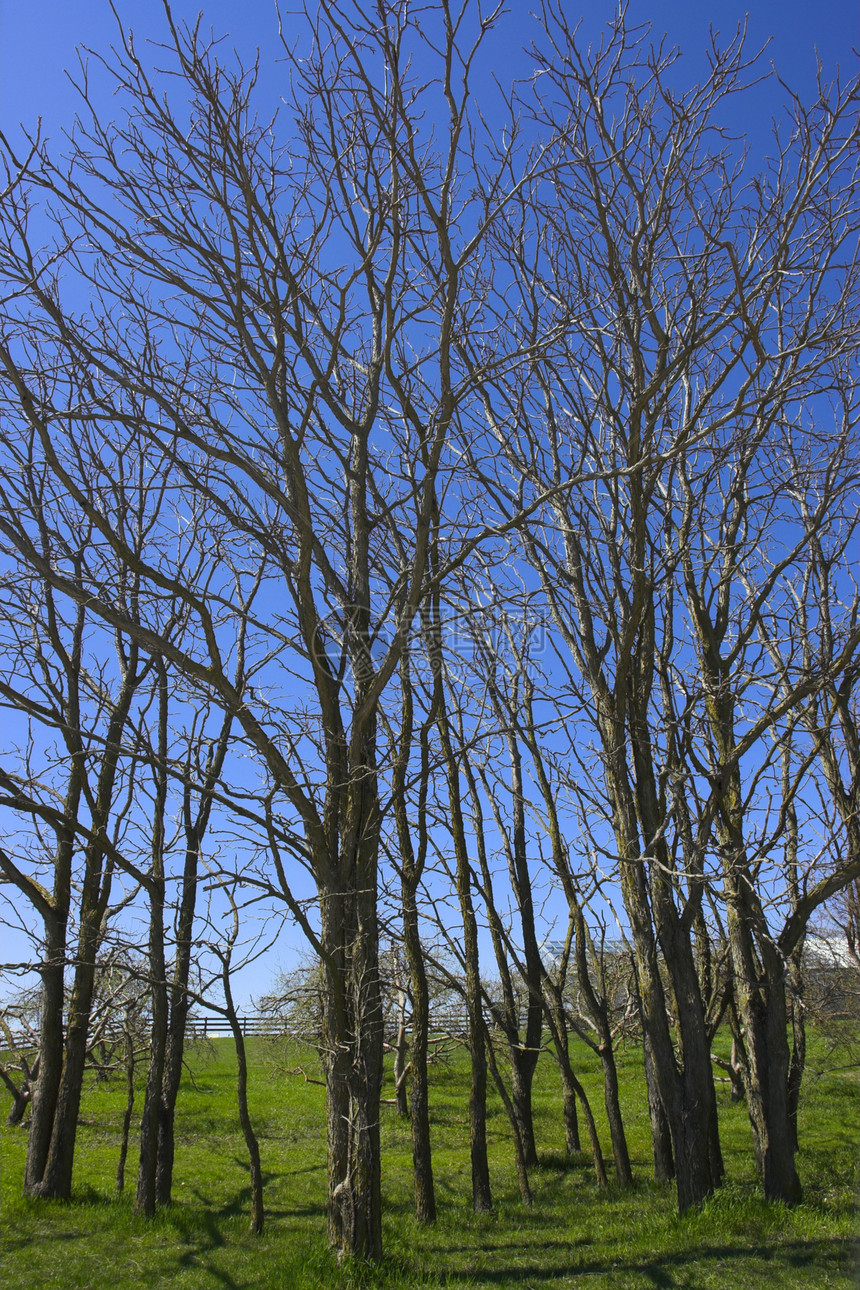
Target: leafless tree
{"points": [[276, 310], [702, 306], [70, 794]]}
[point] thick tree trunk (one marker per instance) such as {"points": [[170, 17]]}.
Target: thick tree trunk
{"points": [[56, 1180], [353, 1061], [51, 1043], [687, 1095], [661, 1137], [762, 1011]]}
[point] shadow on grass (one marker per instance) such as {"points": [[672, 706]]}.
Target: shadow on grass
{"points": [[837, 1256], [191, 1259]]}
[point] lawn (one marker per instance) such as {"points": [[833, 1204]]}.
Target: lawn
{"points": [[572, 1236]]}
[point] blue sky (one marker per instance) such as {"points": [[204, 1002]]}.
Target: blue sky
{"points": [[38, 40]]}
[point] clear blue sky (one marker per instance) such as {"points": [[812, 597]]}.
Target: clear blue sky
{"points": [[38, 39]]}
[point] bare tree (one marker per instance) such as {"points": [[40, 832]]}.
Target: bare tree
{"points": [[696, 319], [71, 795], [278, 319]]}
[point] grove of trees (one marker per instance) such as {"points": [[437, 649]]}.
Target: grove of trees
{"points": [[429, 515]]}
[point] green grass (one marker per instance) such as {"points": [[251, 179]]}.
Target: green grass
{"points": [[572, 1235]]}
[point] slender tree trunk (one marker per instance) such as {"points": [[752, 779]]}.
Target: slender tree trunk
{"points": [[419, 1101], [599, 1011], [519, 1145], [195, 830], [412, 862], [20, 1098], [145, 1194], [129, 1108], [481, 1194], [179, 1004], [558, 1030], [523, 1063], [251, 1143], [620, 1153], [145, 1199], [798, 1045], [572, 1140], [401, 1059]]}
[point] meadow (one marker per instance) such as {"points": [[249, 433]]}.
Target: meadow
{"points": [[573, 1235]]}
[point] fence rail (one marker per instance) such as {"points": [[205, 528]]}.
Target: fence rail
{"points": [[443, 1021]]}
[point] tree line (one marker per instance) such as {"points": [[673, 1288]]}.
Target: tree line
{"points": [[428, 501]]}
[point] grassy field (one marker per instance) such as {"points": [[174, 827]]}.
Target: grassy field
{"points": [[572, 1236]]}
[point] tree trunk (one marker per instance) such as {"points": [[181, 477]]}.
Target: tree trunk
{"points": [[353, 1061], [523, 1063], [145, 1194], [20, 1100], [175, 1043], [56, 1180], [798, 1050], [195, 830], [419, 1106], [620, 1153], [482, 1200], [129, 1109], [51, 1043], [554, 1011], [687, 1095], [412, 862], [519, 1146], [571, 1118], [401, 1059], [762, 1011], [251, 1143], [661, 1137]]}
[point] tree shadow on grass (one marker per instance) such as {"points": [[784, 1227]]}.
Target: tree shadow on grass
{"points": [[835, 1256], [192, 1259]]}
